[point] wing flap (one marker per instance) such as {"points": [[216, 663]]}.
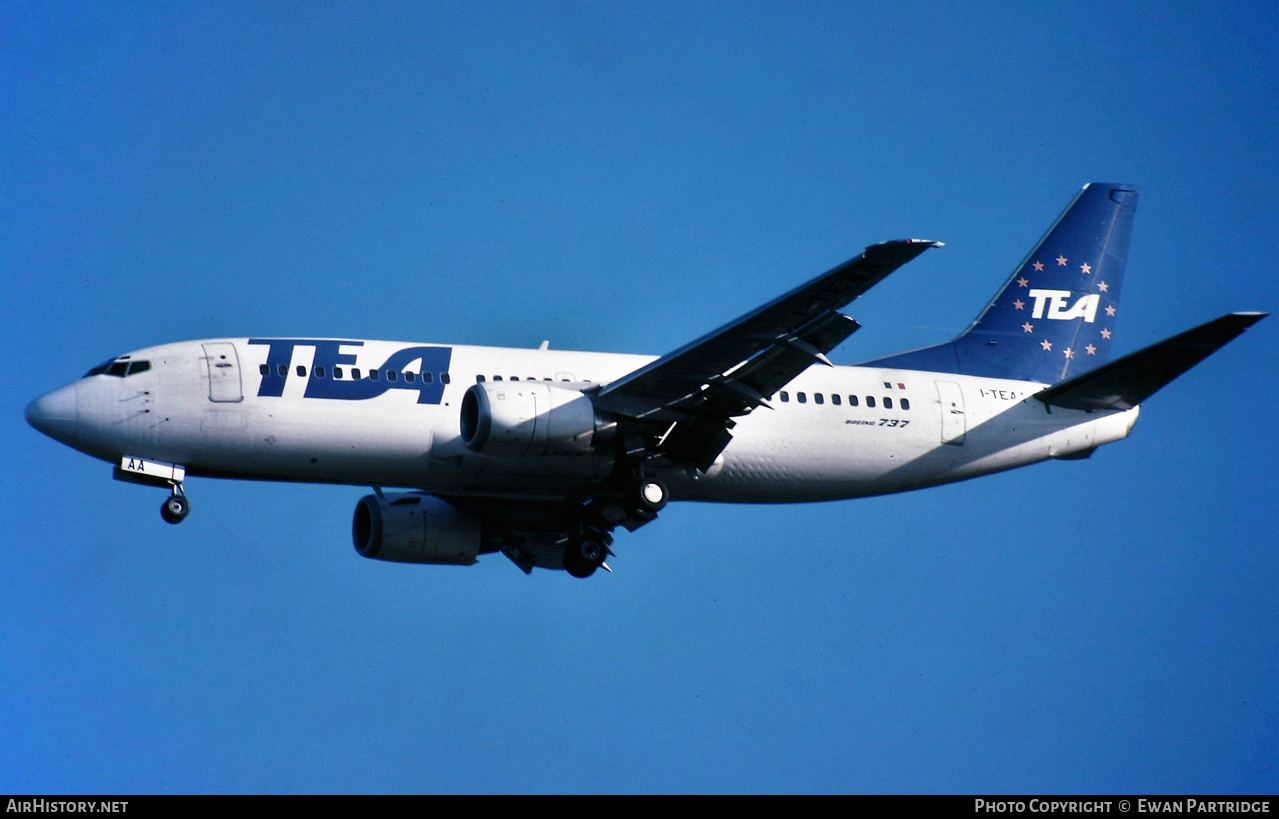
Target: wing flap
{"points": [[1126, 382], [787, 334]]}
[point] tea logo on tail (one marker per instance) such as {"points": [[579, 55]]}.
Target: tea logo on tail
{"points": [[1085, 308]]}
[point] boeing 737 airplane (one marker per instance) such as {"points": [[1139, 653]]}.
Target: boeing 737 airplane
{"points": [[542, 454]]}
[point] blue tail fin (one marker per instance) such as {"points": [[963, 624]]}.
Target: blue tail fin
{"points": [[1055, 317]]}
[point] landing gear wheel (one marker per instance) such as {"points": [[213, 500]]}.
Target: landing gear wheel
{"points": [[647, 498], [175, 509], [582, 556]]}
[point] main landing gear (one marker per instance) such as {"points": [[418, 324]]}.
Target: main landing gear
{"points": [[587, 550], [176, 507], [584, 554], [646, 498]]}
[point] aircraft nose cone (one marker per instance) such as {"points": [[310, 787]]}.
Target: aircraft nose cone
{"points": [[54, 413]]}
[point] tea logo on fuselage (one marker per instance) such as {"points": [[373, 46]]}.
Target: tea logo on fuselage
{"points": [[328, 354]]}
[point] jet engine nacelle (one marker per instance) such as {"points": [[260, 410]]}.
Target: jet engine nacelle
{"points": [[414, 528], [509, 419]]}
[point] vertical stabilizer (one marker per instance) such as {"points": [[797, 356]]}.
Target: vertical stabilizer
{"points": [[1055, 316]]}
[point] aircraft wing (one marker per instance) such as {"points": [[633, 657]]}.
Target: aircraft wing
{"points": [[694, 392]]}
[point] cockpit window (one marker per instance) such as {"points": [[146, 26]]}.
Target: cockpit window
{"points": [[119, 367]]}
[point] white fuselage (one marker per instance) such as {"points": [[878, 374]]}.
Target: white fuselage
{"points": [[834, 432]]}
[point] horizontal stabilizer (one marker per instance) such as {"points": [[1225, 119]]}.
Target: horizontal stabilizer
{"points": [[1125, 383]]}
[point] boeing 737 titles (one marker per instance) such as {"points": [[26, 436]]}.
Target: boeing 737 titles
{"points": [[541, 454]]}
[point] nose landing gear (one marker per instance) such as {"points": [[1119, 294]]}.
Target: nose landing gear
{"points": [[176, 507], [146, 472]]}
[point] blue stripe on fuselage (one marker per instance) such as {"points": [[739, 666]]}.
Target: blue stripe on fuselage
{"points": [[435, 360]]}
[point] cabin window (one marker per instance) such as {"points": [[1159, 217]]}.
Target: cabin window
{"points": [[785, 396], [870, 401], [497, 378], [479, 379], [337, 372], [818, 398], [852, 400], [801, 397], [319, 372], [426, 378], [834, 399], [374, 375], [888, 402], [444, 378], [905, 402], [390, 375], [282, 370], [410, 377], [264, 369], [355, 373]]}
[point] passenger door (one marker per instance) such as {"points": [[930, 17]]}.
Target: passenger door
{"points": [[954, 422], [222, 365]]}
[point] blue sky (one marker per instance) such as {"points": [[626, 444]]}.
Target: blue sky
{"points": [[625, 177]]}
